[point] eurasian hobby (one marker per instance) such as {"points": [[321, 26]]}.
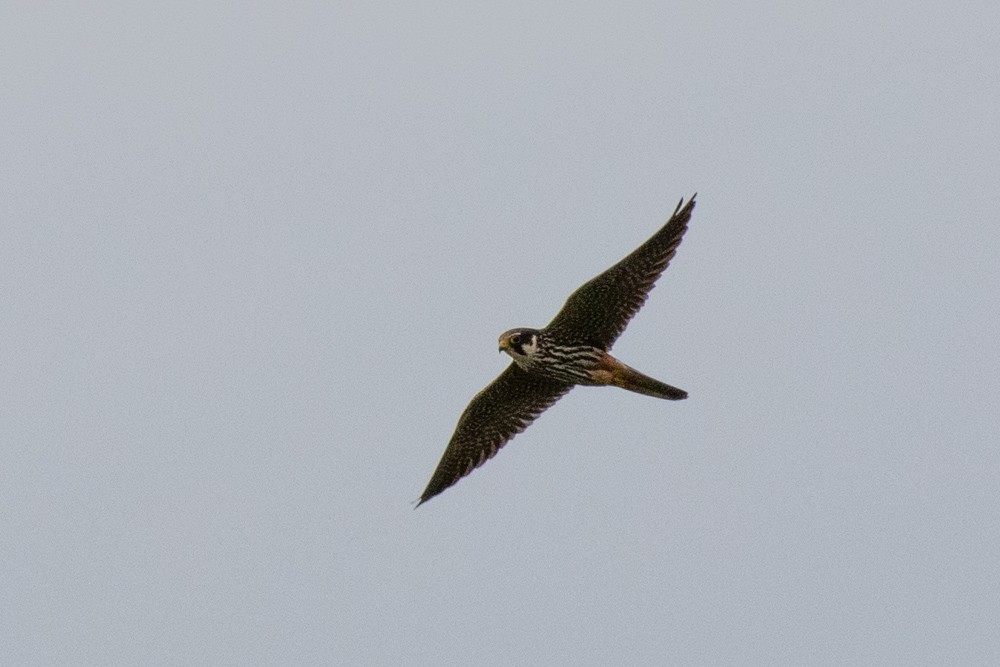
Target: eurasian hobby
{"points": [[571, 350]]}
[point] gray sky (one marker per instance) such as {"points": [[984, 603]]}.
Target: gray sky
{"points": [[255, 258]]}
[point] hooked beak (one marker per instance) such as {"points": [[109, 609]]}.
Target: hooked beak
{"points": [[504, 344]]}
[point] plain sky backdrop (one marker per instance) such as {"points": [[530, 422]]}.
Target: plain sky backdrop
{"points": [[255, 258]]}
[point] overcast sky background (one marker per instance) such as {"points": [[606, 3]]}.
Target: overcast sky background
{"points": [[255, 258]]}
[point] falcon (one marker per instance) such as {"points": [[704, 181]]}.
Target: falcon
{"points": [[572, 350]]}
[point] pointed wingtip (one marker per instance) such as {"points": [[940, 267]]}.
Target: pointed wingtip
{"points": [[425, 496], [681, 205]]}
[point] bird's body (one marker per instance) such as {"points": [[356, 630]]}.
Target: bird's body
{"points": [[572, 350], [579, 364]]}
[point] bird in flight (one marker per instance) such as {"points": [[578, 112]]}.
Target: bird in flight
{"points": [[571, 350]]}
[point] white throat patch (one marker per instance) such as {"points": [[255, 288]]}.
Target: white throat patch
{"points": [[530, 347]]}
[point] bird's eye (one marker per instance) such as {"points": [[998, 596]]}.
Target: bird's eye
{"points": [[515, 340]]}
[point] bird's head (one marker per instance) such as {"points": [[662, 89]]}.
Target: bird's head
{"points": [[519, 343]]}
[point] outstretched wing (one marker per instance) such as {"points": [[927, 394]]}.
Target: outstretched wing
{"points": [[598, 312], [499, 412]]}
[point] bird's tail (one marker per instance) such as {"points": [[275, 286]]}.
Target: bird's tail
{"points": [[627, 377]]}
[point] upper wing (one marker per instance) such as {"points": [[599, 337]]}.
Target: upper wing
{"points": [[598, 312], [499, 412]]}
